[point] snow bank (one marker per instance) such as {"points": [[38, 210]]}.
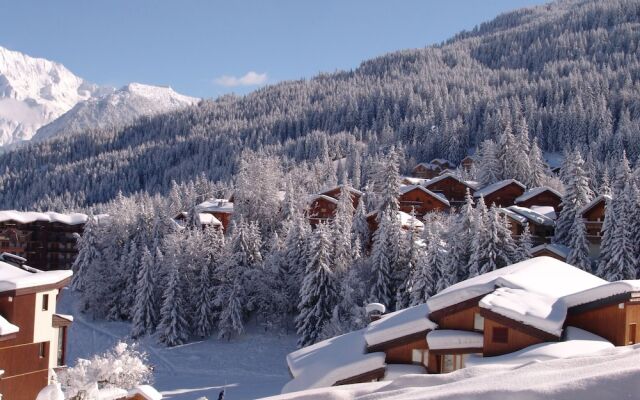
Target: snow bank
{"points": [[454, 339], [27, 217], [146, 391], [51, 392], [6, 327], [609, 374], [577, 343], [324, 363], [539, 311], [532, 275], [12, 277], [602, 292], [397, 370], [398, 324]]}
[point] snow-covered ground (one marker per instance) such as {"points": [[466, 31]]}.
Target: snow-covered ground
{"points": [[251, 367], [612, 374]]}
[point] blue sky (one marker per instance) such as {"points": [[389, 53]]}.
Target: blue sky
{"points": [[208, 48]]}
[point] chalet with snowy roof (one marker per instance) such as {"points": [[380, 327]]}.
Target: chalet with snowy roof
{"points": [[542, 227], [540, 196], [533, 307], [467, 163], [32, 336], [335, 193], [432, 169], [421, 200], [221, 209], [452, 187], [406, 221], [322, 208], [47, 239], [204, 220], [503, 193], [593, 215], [558, 251]]}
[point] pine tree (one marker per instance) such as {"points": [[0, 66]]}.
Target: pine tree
{"points": [[537, 174], [231, 316], [88, 253], [380, 262], [425, 275], [488, 165], [525, 244], [579, 254], [318, 294], [578, 194], [173, 328], [341, 228], [360, 226], [461, 239], [205, 310], [145, 317]]}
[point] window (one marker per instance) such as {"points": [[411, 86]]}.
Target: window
{"points": [[478, 322], [632, 334], [452, 362], [43, 350], [416, 356], [425, 358], [45, 302], [500, 335], [61, 334]]}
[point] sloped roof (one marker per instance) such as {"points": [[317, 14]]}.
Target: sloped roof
{"points": [[26, 217], [604, 291], [13, 277], [408, 188], [536, 191], [533, 216], [399, 324], [559, 249], [444, 176], [594, 202], [349, 188], [216, 205], [494, 187], [323, 197]]}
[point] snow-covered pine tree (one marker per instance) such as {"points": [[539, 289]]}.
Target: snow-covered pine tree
{"points": [[461, 239], [478, 233], [425, 274], [506, 150], [509, 250], [537, 175], [205, 305], [360, 227], [292, 269], [145, 317], [488, 164], [87, 254], [520, 167], [388, 180], [173, 328], [230, 323], [318, 294], [578, 194], [579, 254], [412, 256], [525, 244], [380, 262], [341, 228]]}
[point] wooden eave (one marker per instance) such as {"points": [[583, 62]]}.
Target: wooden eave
{"points": [[397, 341], [592, 305], [364, 377], [463, 305], [519, 326]]}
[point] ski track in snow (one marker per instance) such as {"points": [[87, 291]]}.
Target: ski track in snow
{"points": [[249, 367]]}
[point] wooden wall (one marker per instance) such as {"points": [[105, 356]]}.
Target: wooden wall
{"points": [[421, 202], [594, 218], [504, 197], [632, 317], [517, 340], [420, 171], [20, 311], [335, 193], [24, 387], [461, 320], [320, 210], [607, 321], [454, 190], [402, 353]]}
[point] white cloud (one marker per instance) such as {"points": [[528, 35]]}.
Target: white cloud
{"points": [[251, 78]]}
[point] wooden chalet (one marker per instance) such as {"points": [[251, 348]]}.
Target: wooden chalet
{"points": [[335, 193], [204, 219], [32, 336], [540, 301], [502, 194], [47, 240], [432, 169], [593, 215], [221, 209], [542, 228], [321, 209], [540, 196], [406, 220], [467, 163], [553, 250], [421, 200], [452, 187]]}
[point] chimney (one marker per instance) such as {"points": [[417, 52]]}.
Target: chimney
{"points": [[375, 311]]}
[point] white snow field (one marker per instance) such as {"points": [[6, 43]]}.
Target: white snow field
{"points": [[611, 374], [252, 366]]}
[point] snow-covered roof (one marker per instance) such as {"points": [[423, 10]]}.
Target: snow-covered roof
{"points": [[427, 165], [547, 211], [559, 249], [65, 316], [604, 291], [536, 191], [542, 312], [26, 217], [327, 362], [470, 184], [542, 275], [441, 161], [520, 219], [533, 216], [375, 307], [443, 339], [576, 343], [204, 219], [594, 202], [12, 277], [323, 197], [398, 324], [6, 327], [146, 391], [406, 220], [339, 187], [408, 188], [51, 392], [216, 205], [414, 181], [497, 186]]}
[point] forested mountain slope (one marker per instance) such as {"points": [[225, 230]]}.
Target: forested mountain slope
{"points": [[568, 72]]}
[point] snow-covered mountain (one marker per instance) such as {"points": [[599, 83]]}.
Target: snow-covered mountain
{"points": [[115, 109], [40, 99], [34, 92]]}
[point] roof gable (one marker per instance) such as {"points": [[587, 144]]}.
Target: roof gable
{"points": [[448, 175], [494, 187], [409, 188], [531, 193]]}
